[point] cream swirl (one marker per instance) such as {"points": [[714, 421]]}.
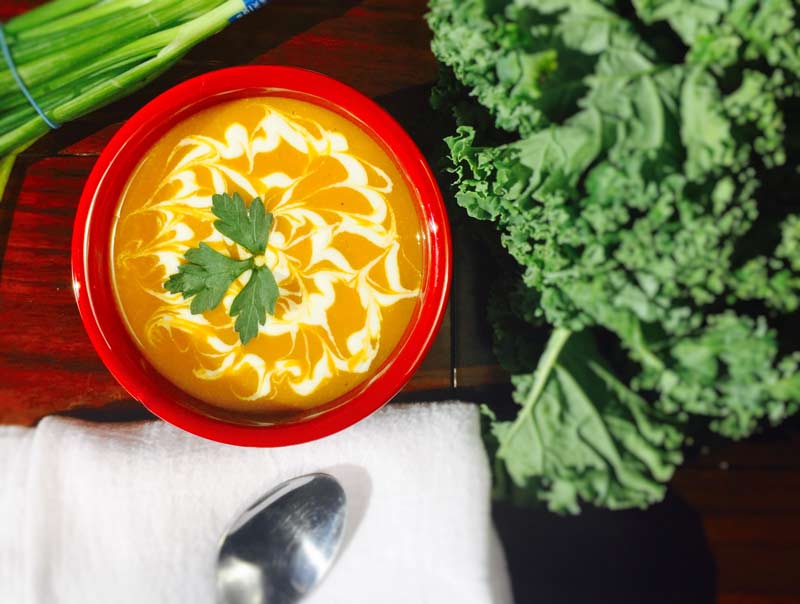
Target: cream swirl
{"points": [[310, 252]]}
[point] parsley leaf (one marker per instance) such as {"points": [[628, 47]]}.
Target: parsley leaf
{"points": [[208, 274], [250, 229], [206, 277], [251, 304]]}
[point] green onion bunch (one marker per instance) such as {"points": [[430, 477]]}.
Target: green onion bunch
{"points": [[77, 55]]}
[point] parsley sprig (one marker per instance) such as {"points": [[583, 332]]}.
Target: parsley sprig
{"points": [[207, 274]]}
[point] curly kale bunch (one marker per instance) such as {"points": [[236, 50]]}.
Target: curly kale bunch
{"points": [[642, 186]]}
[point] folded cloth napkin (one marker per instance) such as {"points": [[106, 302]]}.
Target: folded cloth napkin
{"points": [[133, 513]]}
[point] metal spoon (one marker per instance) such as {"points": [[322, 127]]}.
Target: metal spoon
{"points": [[283, 545]]}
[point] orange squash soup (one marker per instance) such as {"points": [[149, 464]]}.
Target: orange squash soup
{"points": [[345, 250]]}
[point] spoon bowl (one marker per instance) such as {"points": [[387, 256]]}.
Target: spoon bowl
{"points": [[281, 546]]}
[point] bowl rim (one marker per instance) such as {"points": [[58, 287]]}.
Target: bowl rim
{"points": [[407, 355]]}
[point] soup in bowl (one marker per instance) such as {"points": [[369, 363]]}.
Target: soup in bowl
{"points": [[261, 256]]}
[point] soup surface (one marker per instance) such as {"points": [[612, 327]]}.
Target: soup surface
{"points": [[345, 250]]}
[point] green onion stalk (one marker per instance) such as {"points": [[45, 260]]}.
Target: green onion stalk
{"points": [[77, 55]]}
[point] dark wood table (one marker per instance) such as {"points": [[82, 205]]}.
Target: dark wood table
{"points": [[729, 530]]}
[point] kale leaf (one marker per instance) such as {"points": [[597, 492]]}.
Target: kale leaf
{"points": [[631, 186]]}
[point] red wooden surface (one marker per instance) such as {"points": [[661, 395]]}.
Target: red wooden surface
{"points": [[749, 512], [748, 495]]}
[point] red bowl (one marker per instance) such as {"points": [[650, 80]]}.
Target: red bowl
{"points": [[91, 256]]}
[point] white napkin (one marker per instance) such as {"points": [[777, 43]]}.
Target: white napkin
{"points": [[133, 513]]}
